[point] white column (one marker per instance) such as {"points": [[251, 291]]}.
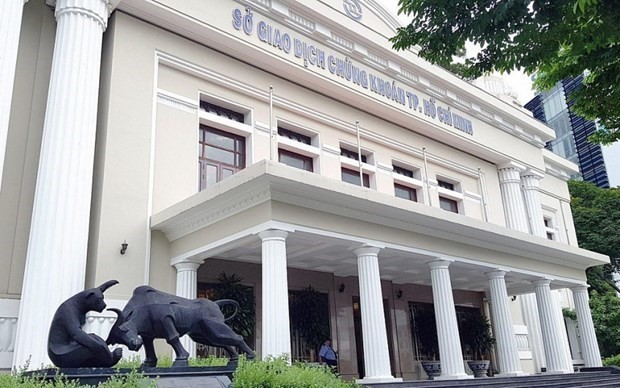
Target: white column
{"points": [[56, 258], [450, 352], [517, 219], [376, 352], [187, 287], [506, 346], [552, 337], [275, 329], [568, 357], [530, 181], [10, 26], [529, 309], [589, 344], [512, 198]]}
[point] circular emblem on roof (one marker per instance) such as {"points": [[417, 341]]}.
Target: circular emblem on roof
{"points": [[353, 9]]}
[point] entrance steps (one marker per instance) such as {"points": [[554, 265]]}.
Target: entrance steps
{"points": [[587, 377]]}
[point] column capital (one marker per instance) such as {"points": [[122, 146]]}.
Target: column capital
{"points": [[541, 282], [440, 263], [367, 250], [581, 288], [187, 266], [511, 165], [533, 174], [496, 274], [273, 234], [97, 10]]}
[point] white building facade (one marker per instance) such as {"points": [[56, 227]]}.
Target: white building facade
{"points": [[285, 142]]}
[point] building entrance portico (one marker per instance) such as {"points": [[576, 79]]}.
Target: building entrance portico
{"points": [[362, 255]]}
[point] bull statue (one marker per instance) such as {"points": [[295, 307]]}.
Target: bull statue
{"points": [[151, 314], [68, 346]]}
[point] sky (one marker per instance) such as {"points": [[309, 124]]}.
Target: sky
{"points": [[518, 81]]}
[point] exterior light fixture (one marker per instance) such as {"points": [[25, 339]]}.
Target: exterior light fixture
{"points": [[399, 294], [124, 246], [341, 288]]}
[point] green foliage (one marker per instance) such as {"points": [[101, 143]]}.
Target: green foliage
{"points": [[477, 335], [310, 315], [596, 214], [569, 313], [230, 287], [277, 373], [130, 380], [166, 361], [611, 361], [555, 38], [606, 318]]}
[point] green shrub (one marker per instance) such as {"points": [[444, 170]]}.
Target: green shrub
{"points": [[166, 361], [614, 360], [277, 373]]}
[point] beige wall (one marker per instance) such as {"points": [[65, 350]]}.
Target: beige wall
{"points": [[34, 60]]}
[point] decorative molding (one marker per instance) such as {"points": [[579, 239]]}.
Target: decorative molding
{"points": [[207, 217], [175, 101], [9, 313]]}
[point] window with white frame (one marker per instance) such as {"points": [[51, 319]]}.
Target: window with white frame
{"points": [[450, 194], [297, 147], [350, 166], [550, 228], [222, 141], [407, 182]]}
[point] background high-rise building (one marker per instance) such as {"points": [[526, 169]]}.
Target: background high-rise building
{"points": [[572, 131]]}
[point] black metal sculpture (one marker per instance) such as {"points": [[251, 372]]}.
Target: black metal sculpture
{"points": [[151, 314], [70, 347]]}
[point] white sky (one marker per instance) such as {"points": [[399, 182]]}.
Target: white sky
{"points": [[518, 81]]}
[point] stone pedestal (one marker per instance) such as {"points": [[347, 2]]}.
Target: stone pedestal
{"points": [[506, 346], [450, 352], [276, 332], [56, 258]]}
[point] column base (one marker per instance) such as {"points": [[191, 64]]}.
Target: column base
{"points": [[381, 379], [512, 374], [557, 372], [460, 376]]}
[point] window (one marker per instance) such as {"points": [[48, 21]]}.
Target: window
{"points": [[221, 155], [221, 111], [351, 154], [403, 171], [448, 204], [405, 192], [295, 160], [353, 177], [549, 228], [445, 185], [294, 136]]}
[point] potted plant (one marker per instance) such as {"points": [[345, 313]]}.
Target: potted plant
{"points": [[426, 332], [309, 311], [477, 335]]}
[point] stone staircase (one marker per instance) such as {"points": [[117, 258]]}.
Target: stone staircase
{"points": [[588, 377]]}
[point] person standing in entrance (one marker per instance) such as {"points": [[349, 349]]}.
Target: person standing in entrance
{"points": [[327, 354]]}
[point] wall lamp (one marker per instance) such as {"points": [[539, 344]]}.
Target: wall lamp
{"points": [[399, 294], [341, 288], [124, 246]]}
